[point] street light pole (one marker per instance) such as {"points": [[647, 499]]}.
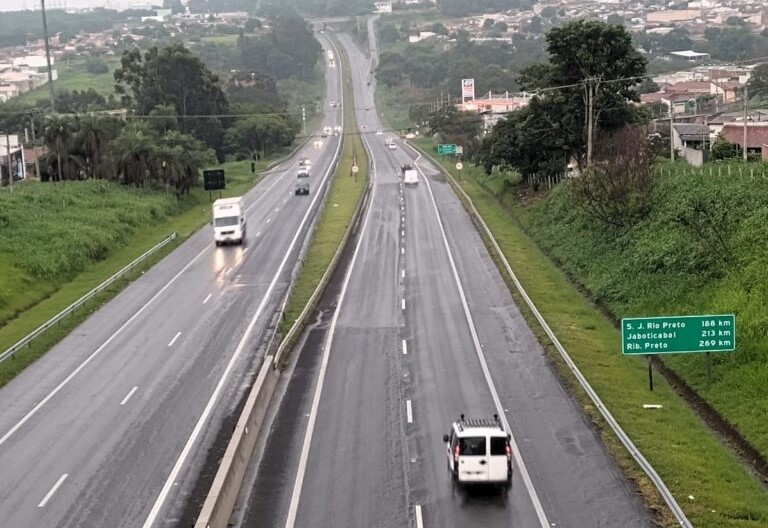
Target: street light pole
{"points": [[51, 93]]}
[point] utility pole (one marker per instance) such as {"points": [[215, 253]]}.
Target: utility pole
{"points": [[34, 147], [744, 143], [671, 130], [51, 93], [590, 118], [304, 121], [8, 159]]}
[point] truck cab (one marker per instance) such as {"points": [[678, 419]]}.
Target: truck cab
{"points": [[229, 224]]}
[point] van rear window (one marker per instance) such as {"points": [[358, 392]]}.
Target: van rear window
{"points": [[472, 446], [498, 446]]}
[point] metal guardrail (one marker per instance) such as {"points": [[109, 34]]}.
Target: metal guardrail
{"points": [[82, 300], [646, 466]]}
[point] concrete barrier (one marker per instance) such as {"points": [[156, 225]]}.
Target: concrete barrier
{"points": [[220, 501]]}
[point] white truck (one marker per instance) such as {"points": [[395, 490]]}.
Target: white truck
{"points": [[229, 220], [410, 175], [302, 177]]}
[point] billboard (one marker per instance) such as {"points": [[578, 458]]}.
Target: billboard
{"points": [[213, 180], [467, 90]]}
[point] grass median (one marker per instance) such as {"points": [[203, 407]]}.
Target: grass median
{"points": [[27, 307], [708, 480], [343, 198]]}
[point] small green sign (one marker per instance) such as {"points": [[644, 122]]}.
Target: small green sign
{"points": [[685, 334], [446, 149]]}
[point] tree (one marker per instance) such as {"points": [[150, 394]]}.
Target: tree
{"points": [[96, 66], [735, 21], [597, 66], [439, 28], [134, 154], [722, 149], [488, 23], [617, 189], [454, 126], [757, 86], [175, 6], [648, 86], [292, 35], [252, 24], [616, 19], [549, 12], [535, 26], [173, 76], [58, 135], [259, 133], [388, 34], [94, 134], [501, 27]]}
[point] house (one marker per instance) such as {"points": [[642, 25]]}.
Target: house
{"points": [[692, 140], [718, 121], [726, 91], [757, 137], [689, 55]]}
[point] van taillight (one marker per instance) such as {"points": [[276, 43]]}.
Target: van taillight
{"points": [[457, 451], [509, 452]]}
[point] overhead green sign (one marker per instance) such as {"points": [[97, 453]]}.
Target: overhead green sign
{"points": [[446, 149], [669, 335]]}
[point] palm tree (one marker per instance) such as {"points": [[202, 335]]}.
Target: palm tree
{"points": [[93, 137], [58, 134], [134, 151]]}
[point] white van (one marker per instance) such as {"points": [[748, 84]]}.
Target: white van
{"points": [[410, 175], [479, 452], [229, 220]]}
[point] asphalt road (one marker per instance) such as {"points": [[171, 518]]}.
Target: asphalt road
{"points": [[425, 329], [112, 426]]}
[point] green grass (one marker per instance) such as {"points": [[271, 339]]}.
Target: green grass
{"points": [[228, 40], [76, 77], [389, 104], [690, 459], [45, 297], [341, 202]]}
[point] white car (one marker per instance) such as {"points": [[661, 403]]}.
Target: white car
{"points": [[391, 145], [479, 452], [379, 132]]}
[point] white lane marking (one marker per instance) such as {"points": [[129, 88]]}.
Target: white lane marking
{"points": [[245, 250], [405, 347], [481, 356], [403, 232], [419, 519], [208, 298], [128, 396], [402, 251], [174, 339], [403, 304], [53, 490], [402, 273], [285, 201], [173, 476], [277, 209], [117, 332], [409, 411], [296, 494], [258, 233], [269, 220], [98, 351]]}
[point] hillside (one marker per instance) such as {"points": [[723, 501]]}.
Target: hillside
{"points": [[701, 249]]}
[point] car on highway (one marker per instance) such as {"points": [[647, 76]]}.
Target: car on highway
{"points": [[479, 452], [302, 182], [229, 223], [390, 144], [334, 104], [379, 132], [410, 175]]}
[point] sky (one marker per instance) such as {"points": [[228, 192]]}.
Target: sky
{"points": [[16, 5]]}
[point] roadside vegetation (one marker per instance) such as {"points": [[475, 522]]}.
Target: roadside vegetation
{"points": [[343, 198], [710, 482]]}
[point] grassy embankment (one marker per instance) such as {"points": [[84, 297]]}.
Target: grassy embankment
{"points": [[341, 202], [710, 483], [60, 241], [76, 77]]}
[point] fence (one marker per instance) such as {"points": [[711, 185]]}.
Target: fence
{"points": [[26, 341]]}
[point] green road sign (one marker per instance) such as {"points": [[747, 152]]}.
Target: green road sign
{"points": [[446, 149], [668, 335]]}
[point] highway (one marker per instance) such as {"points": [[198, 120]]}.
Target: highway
{"points": [[424, 329], [112, 427]]}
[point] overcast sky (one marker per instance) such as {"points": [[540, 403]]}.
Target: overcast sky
{"points": [[16, 5]]}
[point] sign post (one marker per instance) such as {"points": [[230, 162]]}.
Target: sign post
{"points": [[677, 335], [459, 166]]}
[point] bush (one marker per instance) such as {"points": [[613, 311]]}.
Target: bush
{"points": [[96, 67]]}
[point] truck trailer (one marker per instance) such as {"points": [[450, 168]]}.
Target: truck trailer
{"points": [[229, 220]]}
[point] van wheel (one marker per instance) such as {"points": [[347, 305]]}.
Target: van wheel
{"points": [[217, 243]]}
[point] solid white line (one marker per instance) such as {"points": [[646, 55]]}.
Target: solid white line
{"points": [[172, 477], [481, 356], [208, 298], [98, 351], [245, 250], [53, 490], [296, 494], [405, 347], [419, 519], [403, 304], [128, 397], [409, 411], [174, 339], [227, 271], [117, 332]]}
